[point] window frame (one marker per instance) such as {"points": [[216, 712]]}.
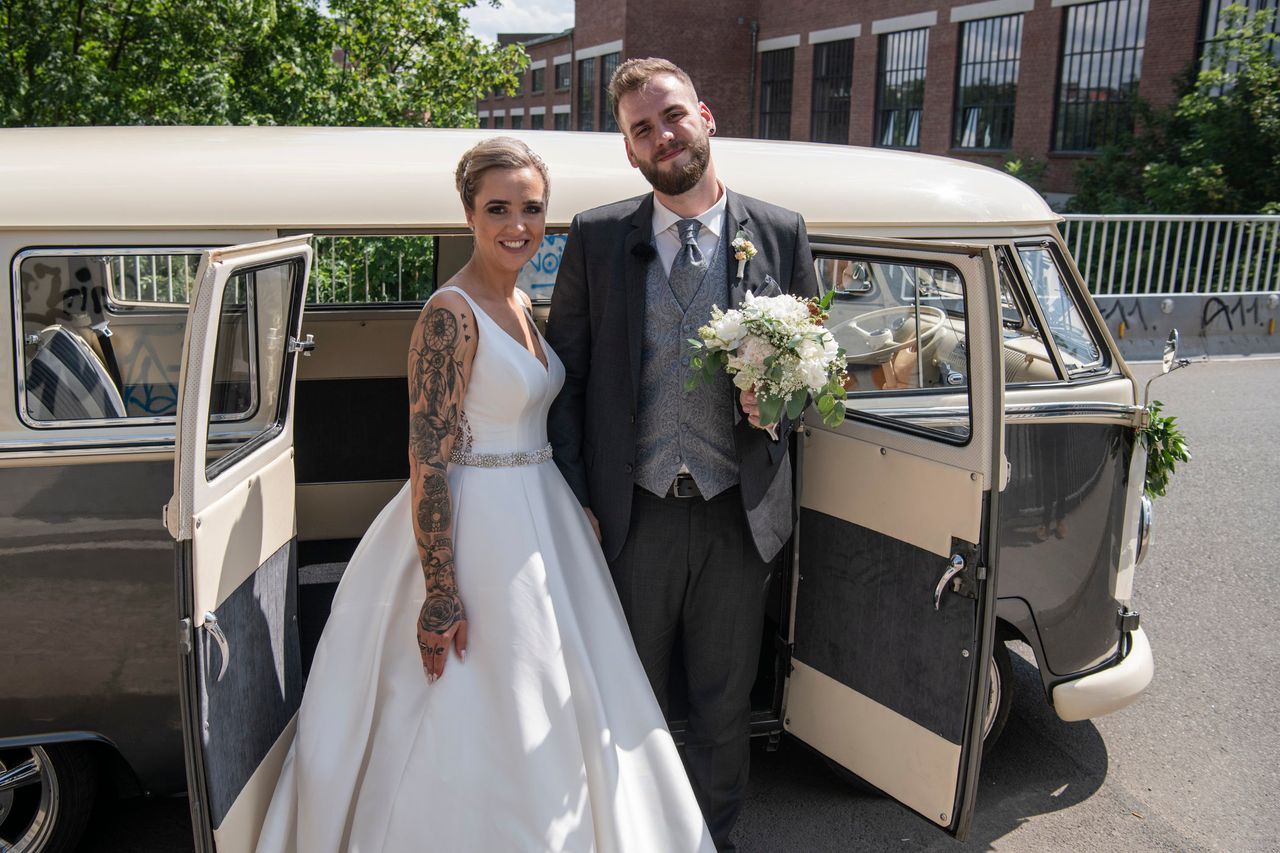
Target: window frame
{"points": [[903, 111], [586, 95], [829, 81], [1105, 366], [772, 90], [537, 80], [141, 309], [1122, 111], [568, 77], [989, 105], [888, 417], [608, 64]]}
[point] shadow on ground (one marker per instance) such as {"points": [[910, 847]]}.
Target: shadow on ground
{"points": [[1040, 765]]}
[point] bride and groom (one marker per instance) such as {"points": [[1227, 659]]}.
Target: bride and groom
{"points": [[530, 714]]}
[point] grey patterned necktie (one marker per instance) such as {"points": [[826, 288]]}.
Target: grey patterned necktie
{"points": [[689, 267]]}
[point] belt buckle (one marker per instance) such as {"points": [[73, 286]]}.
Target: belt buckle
{"points": [[683, 486]]}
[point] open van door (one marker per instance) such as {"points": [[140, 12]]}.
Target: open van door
{"points": [[893, 597], [232, 514]]}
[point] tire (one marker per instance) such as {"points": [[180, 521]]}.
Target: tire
{"points": [[995, 714], [999, 695], [46, 810]]}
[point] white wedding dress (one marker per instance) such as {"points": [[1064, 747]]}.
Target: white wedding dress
{"points": [[548, 736]]}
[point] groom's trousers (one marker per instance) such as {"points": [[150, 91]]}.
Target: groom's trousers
{"points": [[690, 570]]}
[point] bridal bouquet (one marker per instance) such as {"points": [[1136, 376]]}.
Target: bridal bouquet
{"points": [[777, 347]]}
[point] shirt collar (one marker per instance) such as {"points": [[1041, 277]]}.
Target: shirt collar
{"points": [[712, 218]]}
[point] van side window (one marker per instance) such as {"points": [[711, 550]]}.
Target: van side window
{"points": [[1026, 357], [102, 333], [1080, 351], [901, 325], [354, 270]]}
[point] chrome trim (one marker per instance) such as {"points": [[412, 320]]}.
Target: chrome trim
{"points": [[215, 630], [1117, 411], [954, 567], [1144, 528], [24, 774]]}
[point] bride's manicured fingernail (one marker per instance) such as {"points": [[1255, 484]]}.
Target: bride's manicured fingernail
{"points": [[463, 654]]}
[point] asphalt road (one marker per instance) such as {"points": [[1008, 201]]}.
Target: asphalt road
{"points": [[1192, 766]]}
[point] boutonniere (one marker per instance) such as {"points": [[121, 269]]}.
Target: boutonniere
{"points": [[743, 251]]}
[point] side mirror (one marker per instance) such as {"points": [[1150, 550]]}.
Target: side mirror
{"points": [[1168, 362], [1170, 357]]}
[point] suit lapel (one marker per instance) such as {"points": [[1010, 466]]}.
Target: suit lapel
{"points": [[737, 219], [636, 261]]}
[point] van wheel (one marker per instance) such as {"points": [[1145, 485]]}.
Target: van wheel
{"points": [[46, 794], [999, 695]]}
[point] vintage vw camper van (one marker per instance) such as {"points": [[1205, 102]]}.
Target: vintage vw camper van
{"points": [[205, 405]]}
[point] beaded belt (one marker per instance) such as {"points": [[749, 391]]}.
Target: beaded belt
{"points": [[501, 460]]}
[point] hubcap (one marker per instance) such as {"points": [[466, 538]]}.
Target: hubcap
{"points": [[28, 799], [993, 696]]}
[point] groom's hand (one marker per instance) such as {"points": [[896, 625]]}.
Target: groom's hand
{"points": [[751, 407], [595, 522]]}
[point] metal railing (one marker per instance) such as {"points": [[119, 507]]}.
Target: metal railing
{"points": [[1129, 255]]}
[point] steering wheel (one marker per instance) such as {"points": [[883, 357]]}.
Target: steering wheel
{"points": [[871, 338]]}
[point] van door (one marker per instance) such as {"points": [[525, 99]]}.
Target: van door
{"points": [[232, 514], [893, 599]]}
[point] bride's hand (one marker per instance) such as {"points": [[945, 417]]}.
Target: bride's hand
{"points": [[441, 624]]}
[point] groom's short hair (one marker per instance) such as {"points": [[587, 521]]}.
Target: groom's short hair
{"points": [[634, 74]]}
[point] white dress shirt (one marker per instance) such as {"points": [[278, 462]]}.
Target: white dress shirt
{"points": [[666, 236]]}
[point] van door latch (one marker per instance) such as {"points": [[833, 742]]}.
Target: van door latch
{"points": [[214, 630], [962, 582], [306, 346]]}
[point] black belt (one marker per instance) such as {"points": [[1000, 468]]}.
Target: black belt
{"points": [[683, 486]]}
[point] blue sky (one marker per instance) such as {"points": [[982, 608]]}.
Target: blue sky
{"points": [[520, 16]]}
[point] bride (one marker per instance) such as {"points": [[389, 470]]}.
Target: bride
{"points": [[519, 717]]}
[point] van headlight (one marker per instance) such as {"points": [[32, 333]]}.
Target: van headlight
{"points": [[1144, 528]]}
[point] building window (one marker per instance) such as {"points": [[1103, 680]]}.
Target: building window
{"points": [[484, 122], [987, 82], [517, 122], [608, 64], [1101, 67], [832, 83], [586, 94], [562, 121], [775, 93], [498, 122], [1214, 26], [537, 121], [538, 80], [900, 88], [563, 70]]}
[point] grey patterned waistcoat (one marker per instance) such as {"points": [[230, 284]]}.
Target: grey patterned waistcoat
{"points": [[674, 426]]}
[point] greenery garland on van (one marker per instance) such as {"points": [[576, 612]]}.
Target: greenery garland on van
{"points": [[1166, 446]]}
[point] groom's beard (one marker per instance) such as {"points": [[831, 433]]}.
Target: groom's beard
{"points": [[682, 179]]}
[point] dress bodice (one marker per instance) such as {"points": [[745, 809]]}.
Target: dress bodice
{"points": [[509, 392]]}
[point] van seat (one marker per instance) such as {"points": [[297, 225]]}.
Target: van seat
{"points": [[67, 381]]}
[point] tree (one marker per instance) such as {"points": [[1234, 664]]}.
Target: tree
{"points": [[364, 62], [1215, 150]]}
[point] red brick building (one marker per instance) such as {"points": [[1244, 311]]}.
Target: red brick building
{"points": [[1047, 80]]}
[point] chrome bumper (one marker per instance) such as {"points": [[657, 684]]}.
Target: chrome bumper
{"points": [[1110, 689]]}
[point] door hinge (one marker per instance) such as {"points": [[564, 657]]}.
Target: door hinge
{"points": [[1127, 620], [785, 652], [184, 636]]}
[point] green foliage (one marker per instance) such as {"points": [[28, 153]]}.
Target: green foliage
{"points": [[364, 62], [372, 269], [1215, 150], [1029, 170], [1166, 447]]}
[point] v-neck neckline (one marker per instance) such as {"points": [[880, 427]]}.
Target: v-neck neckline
{"points": [[546, 366]]}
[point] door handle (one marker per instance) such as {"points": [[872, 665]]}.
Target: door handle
{"points": [[954, 567], [224, 648], [306, 346]]}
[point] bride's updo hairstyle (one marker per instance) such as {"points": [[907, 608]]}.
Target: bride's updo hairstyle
{"points": [[500, 152]]}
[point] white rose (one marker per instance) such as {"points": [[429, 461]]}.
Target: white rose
{"points": [[814, 375]]}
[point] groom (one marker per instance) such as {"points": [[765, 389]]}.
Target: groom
{"points": [[693, 500]]}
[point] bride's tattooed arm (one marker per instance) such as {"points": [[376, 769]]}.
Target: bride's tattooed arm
{"points": [[440, 355]]}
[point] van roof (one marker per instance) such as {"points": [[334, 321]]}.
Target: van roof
{"points": [[372, 178]]}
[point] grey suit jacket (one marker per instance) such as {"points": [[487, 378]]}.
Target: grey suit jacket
{"points": [[596, 324]]}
